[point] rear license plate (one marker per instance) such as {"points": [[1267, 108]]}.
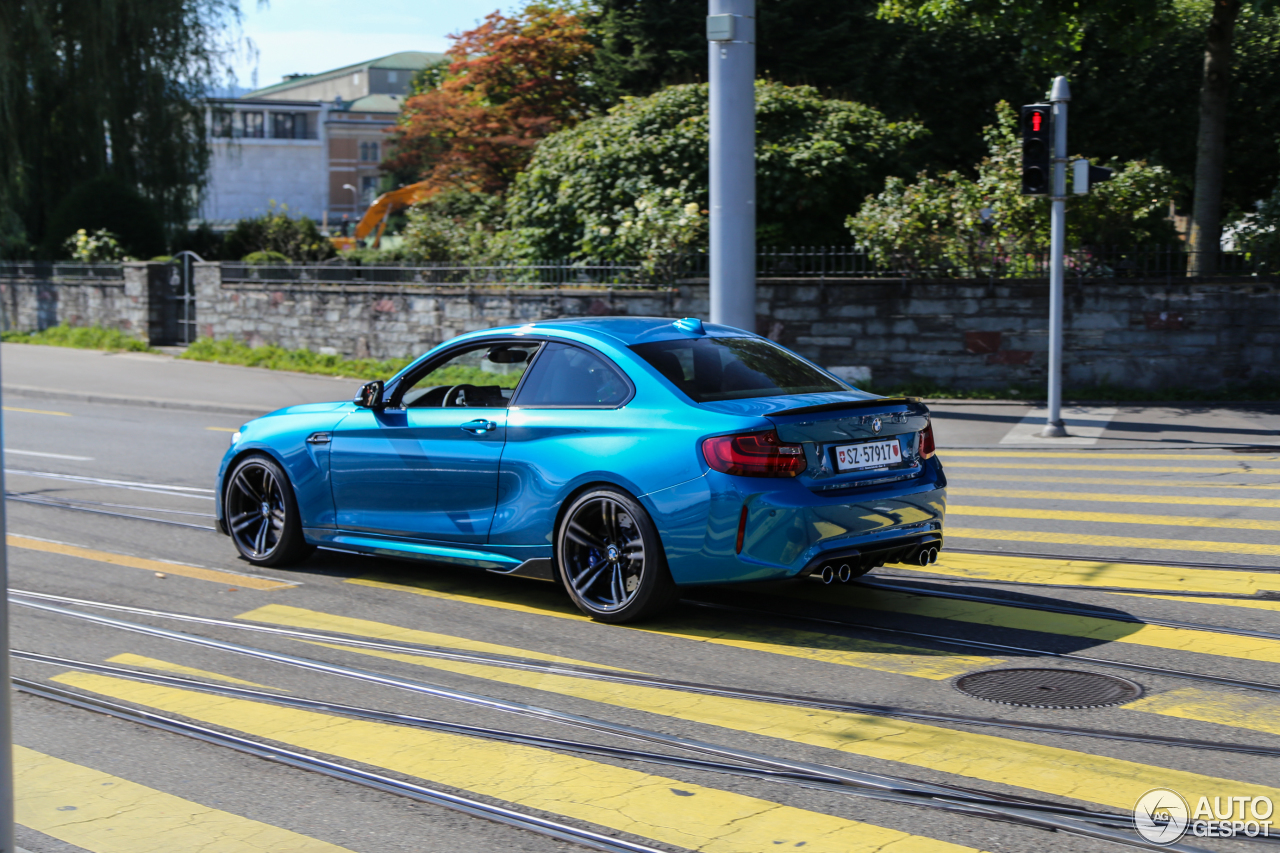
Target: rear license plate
{"points": [[873, 454]]}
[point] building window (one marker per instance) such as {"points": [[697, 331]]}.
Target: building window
{"points": [[223, 124], [392, 77], [248, 125], [368, 189], [288, 125], [368, 152]]}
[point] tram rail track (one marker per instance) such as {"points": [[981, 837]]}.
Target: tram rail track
{"points": [[816, 703]]}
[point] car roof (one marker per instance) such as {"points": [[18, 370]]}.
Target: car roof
{"points": [[626, 330]]}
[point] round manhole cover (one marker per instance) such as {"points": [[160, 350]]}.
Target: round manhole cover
{"points": [[1049, 688]]}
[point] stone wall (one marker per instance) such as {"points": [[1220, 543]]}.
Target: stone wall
{"points": [[961, 334]]}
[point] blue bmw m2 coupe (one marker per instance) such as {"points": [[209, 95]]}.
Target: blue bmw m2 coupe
{"points": [[622, 457]]}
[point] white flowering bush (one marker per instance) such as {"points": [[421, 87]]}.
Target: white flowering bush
{"points": [[99, 247], [661, 228]]}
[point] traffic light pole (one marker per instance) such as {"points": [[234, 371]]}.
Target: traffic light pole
{"points": [[731, 55], [1061, 94]]}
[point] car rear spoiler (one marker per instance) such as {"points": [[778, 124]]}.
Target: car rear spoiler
{"points": [[876, 402]]}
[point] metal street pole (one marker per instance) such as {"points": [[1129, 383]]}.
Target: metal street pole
{"points": [[1054, 427], [731, 49], [7, 844]]}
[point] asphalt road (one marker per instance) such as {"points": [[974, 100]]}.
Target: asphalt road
{"points": [[1146, 548]]}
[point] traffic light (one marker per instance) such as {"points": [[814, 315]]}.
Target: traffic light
{"points": [[1037, 148], [1084, 176]]}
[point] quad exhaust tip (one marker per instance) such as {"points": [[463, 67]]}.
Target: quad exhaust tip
{"points": [[928, 556], [828, 574], [844, 573]]}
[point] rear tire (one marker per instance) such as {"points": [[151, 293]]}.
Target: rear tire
{"points": [[610, 559], [261, 513]]}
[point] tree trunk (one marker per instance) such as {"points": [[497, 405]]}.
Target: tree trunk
{"points": [[1206, 214]]}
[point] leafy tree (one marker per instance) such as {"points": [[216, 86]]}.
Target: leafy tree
{"points": [[94, 88], [952, 222], [1058, 30], [511, 82], [98, 247], [454, 225], [816, 158], [276, 232]]}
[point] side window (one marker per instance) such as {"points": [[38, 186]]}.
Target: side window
{"points": [[569, 377], [480, 377]]}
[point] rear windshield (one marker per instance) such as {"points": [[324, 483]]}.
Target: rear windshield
{"points": [[710, 369]]}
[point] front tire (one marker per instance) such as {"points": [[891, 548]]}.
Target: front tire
{"points": [[611, 562], [262, 514]]}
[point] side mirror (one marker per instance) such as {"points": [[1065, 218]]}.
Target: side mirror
{"points": [[370, 395]]}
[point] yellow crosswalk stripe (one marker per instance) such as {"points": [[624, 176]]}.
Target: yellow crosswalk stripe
{"points": [[1065, 624], [297, 617], [142, 662], [1046, 769], [1263, 604], [809, 645], [1049, 538], [1091, 454], [671, 811], [107, 814], [1255, 713], [1083, 466], [1112, 497], [1097, 573], [1118, 482], [1115, 517], [36, 411], [177, 569]]}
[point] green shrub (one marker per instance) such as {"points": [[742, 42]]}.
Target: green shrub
{"points": [[99, 247], [265, 258], [275, 231], [80, 337], [106, 202]]}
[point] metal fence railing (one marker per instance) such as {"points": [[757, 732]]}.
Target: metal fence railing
{"points": [[541, 274], [61, 270]]}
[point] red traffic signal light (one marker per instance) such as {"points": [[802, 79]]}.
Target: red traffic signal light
{"points": [[1037, 148]]}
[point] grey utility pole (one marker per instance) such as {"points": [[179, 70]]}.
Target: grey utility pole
{"points": [[1054, 427], [731, 54], [6, 691]]}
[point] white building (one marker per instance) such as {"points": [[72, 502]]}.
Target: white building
{"points": [[311, 142]]}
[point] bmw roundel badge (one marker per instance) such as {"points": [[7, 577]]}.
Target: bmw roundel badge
{"points": [[875, 426]]}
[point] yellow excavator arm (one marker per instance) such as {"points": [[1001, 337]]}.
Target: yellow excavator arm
{"points": [[385, 205]]}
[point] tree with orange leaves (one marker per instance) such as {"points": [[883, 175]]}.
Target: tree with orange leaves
{"points": [[510, 82]]}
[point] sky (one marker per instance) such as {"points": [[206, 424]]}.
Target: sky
{"points": [[309, 36]]}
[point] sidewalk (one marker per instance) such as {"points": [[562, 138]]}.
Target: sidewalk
{"points": [[163, 381], [143, 379]]}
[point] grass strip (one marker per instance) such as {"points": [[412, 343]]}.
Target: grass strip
{"points": [[297, 360], [79, 337]]}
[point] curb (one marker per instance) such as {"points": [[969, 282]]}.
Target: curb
{"points": [[121, 399]]}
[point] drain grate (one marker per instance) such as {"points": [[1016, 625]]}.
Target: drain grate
{"points": [[1048, 688]]}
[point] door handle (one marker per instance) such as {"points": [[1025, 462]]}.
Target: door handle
{"points": [[478, 427]]}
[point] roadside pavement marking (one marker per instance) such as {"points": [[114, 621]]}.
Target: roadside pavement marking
{"points": [[1003, 760], [107, 814], [670, 811], [297, 617], [196, 572], [1096, 628], [1095, 573], [1112, 497], [36, 411], [1116, 517], [165, 666], [222, 429], [1031, 454], [1045, 537], [1085, 425], [1263, 604], [809, 645], [10, 450], [1118, 481], [1228, 709], [1081, 466]]}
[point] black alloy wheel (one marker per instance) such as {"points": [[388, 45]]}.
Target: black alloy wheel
{"points": [[611, 562], [262, 515]]}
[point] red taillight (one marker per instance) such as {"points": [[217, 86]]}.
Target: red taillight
{"points": [[742, 529], [756, 454], [926, 441]]}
